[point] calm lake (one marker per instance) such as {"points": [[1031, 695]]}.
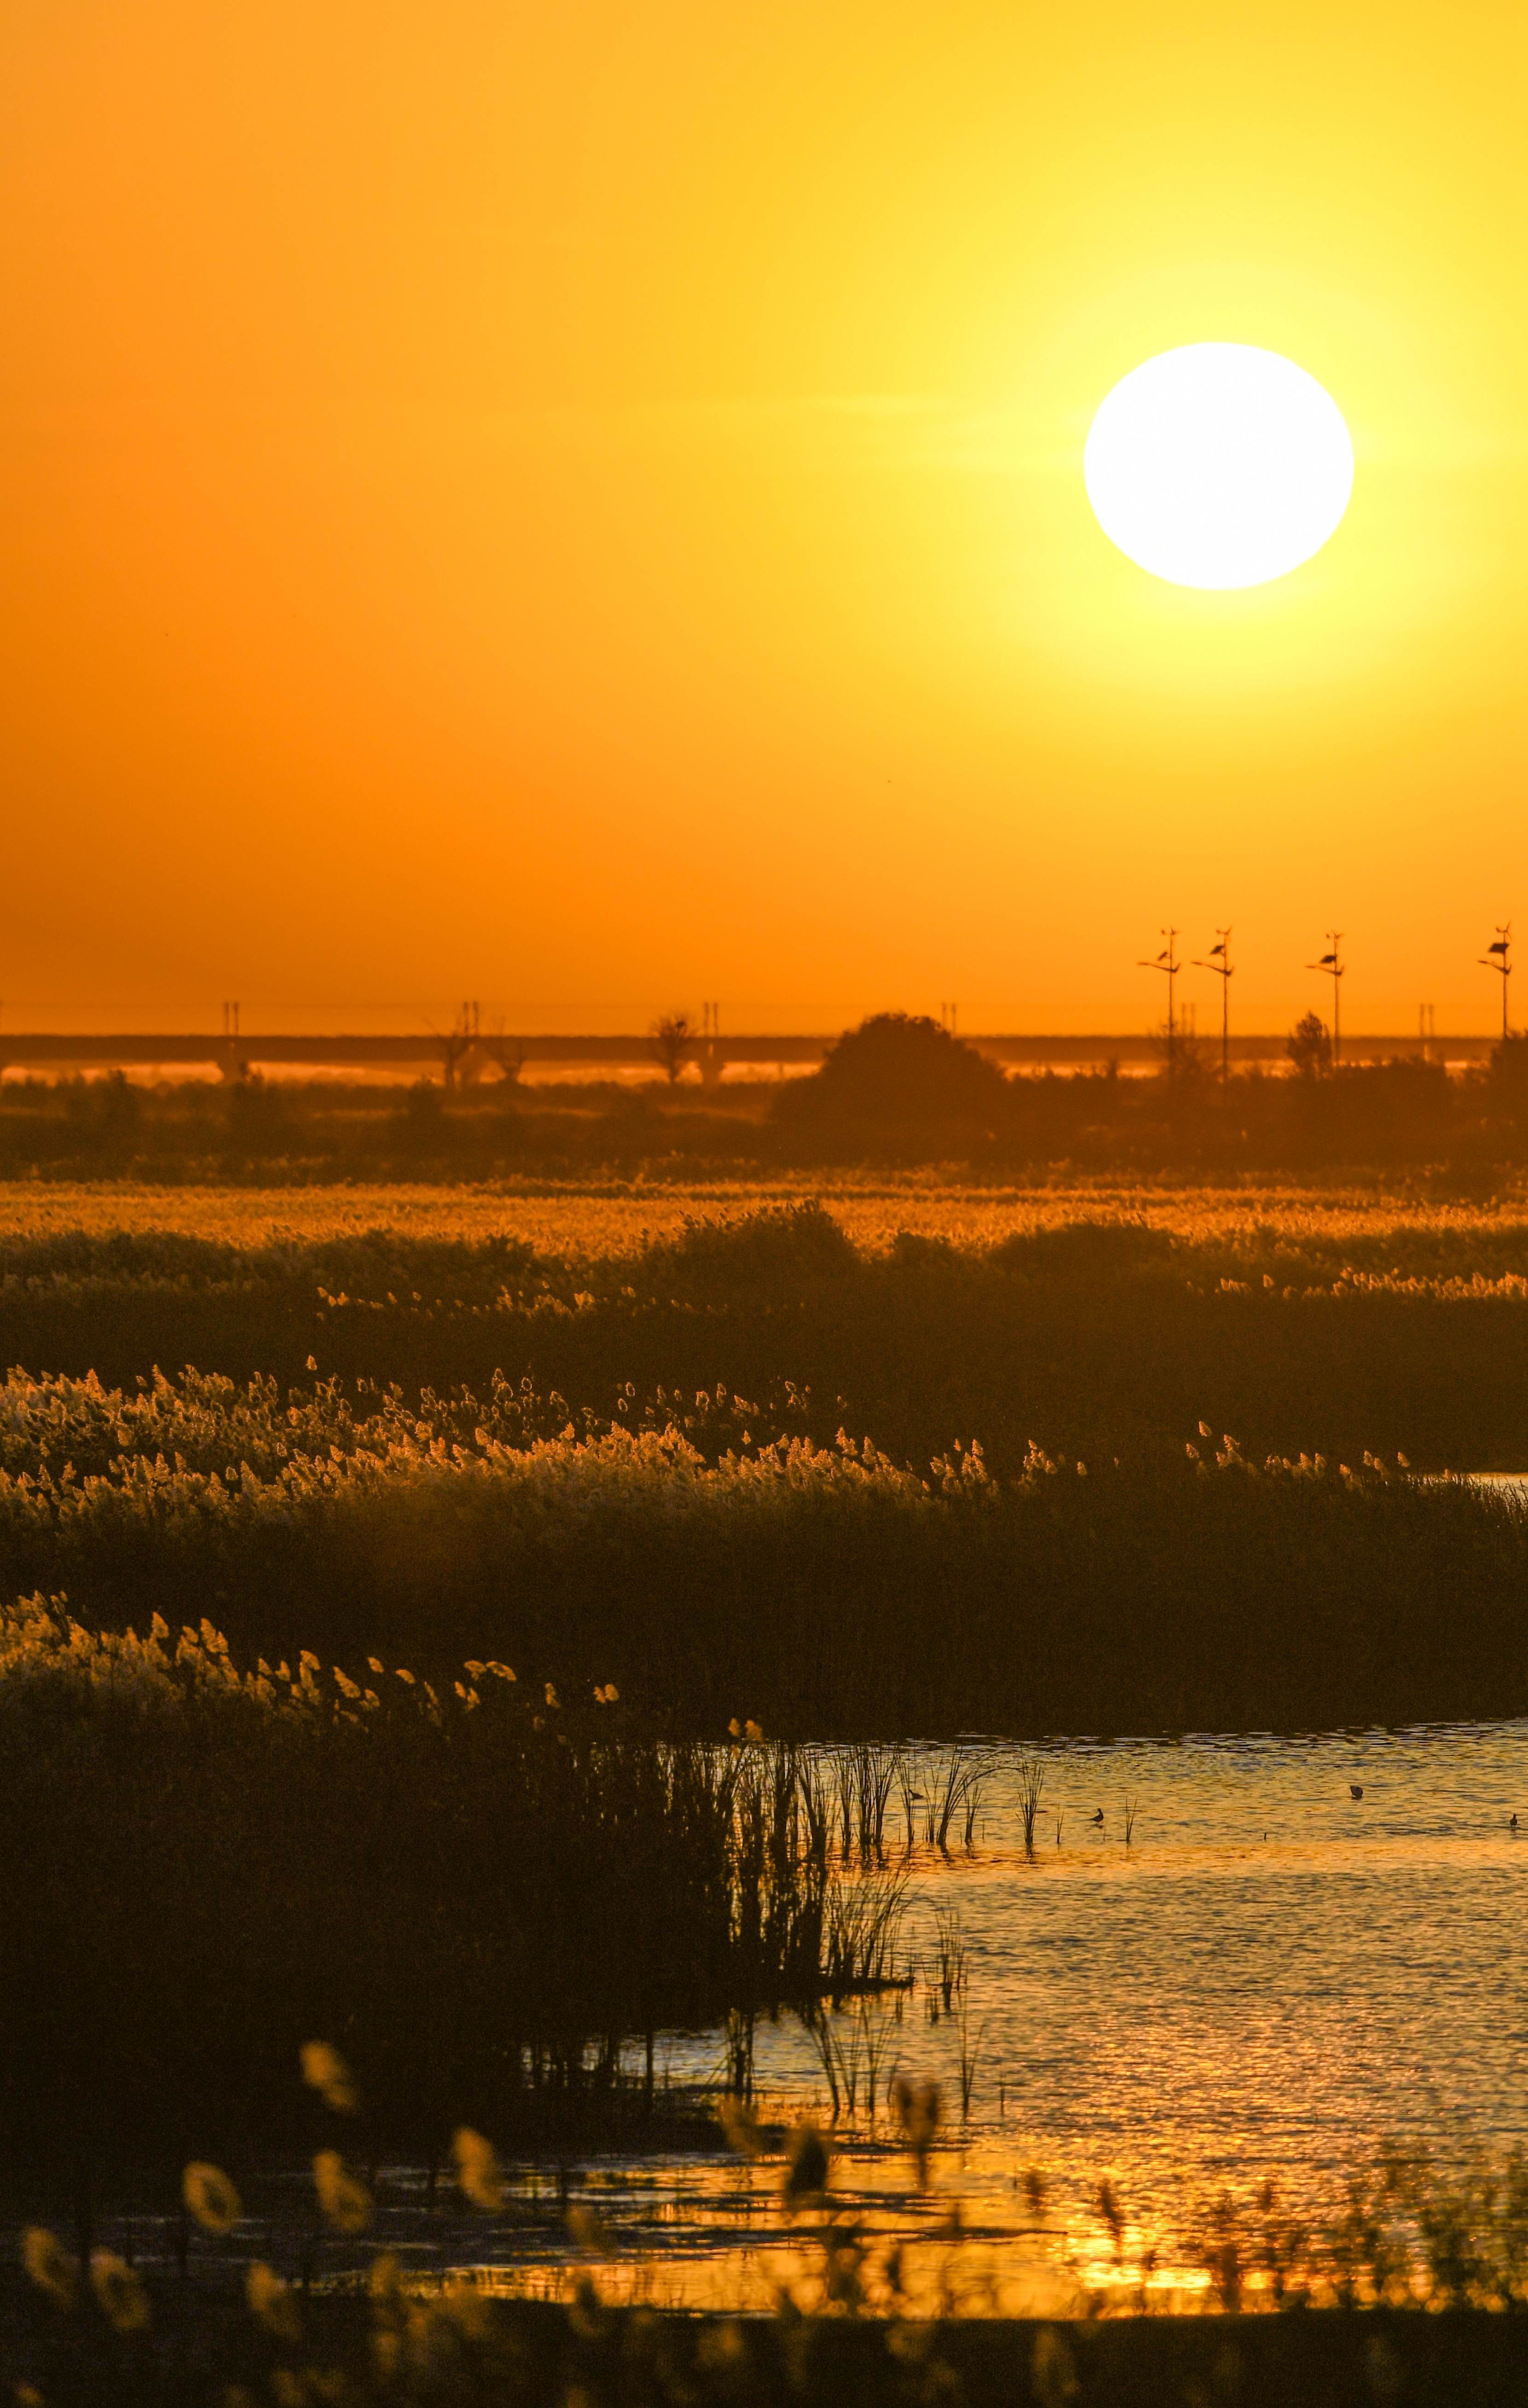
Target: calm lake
{"points": [[1273, 1977]]}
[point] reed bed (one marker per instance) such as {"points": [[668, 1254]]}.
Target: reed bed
{"points": [[822, 1592], [486, 1894], [587, 1222], [1327, 1329]]}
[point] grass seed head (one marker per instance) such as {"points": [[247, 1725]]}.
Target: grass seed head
{"points": [[1112, 2215], [587, 2233], [385, 2285], [271, 2302], [325, 2071], [1053, 2368], [916, 2108], [477, 2170], [211, 2197], [740, 2126], [586, 2312], [806, 2170], [119, 2293], [465, 2307], [49, 2265], [346, 2202]]}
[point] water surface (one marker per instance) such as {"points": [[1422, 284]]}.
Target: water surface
{"points": [[1271, 1976]]}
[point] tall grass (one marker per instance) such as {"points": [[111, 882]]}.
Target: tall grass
{"points": [[821, 1592], [1094, 1338], [1031, 1771], [484, 1891]]}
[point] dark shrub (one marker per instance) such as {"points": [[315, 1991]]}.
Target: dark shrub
{"points": [[897, 1070]]}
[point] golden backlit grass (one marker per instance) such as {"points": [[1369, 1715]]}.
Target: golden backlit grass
{"points": [[441, 1440], [1097, 1321], [602, 1221], [719, 1565]]}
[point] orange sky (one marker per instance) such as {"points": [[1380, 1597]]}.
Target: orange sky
{"points": [[581, 507]]}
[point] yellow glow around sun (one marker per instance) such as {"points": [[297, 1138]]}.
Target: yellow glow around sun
{"points": [[1218, 464]]}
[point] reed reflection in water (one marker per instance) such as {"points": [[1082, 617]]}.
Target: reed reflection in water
{"points": [[1269, 1975], [1209, 1962]]}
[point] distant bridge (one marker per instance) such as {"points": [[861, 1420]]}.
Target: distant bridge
{"points": [[465, 1059]]}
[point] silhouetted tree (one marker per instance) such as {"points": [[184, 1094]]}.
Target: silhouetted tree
{"points": [[673, 1036], [456, 1049], [898, 1067], [1309, 1047], [108, 1111], [423, 1112], [507, 1053]]}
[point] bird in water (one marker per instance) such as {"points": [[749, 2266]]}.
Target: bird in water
{"points": [[1355, 1790], [1099, 1817], [1513, 1825]]}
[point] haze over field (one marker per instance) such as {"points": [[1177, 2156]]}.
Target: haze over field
{"points": [[584, 508]]}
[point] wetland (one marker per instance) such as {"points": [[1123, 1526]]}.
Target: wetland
{"points": [[467, 1628]]}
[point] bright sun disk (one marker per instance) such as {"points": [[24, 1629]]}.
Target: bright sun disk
{"points": [[1218, 465]]}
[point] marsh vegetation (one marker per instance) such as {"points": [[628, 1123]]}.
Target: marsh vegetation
{"points": [[822, 1591], [754, 1468], [920, 1318], [495, 1895], [745, 1499]]}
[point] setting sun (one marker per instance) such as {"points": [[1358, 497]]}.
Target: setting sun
{"points": [[1218, 465]]}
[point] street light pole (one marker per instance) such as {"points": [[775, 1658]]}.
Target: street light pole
{"points": [[1221, 967], [1330, 966], [1498, 957], [1169, 965]]}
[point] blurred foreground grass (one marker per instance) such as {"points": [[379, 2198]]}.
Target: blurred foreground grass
{"points": [[1412, 2290]]}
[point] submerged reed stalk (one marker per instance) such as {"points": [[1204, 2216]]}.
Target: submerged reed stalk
{"points": [[1031, 1771]]}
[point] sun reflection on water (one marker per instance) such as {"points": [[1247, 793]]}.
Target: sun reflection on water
{"points": [[1273, 1976]]}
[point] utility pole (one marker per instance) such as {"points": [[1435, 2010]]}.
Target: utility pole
{"points": [[1220, 962], [1498, 957], [1169, 965], [1330, 966]]}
